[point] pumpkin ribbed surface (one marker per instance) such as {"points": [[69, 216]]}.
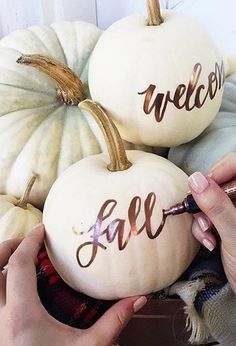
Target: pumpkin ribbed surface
{"points": [[37, 132]]}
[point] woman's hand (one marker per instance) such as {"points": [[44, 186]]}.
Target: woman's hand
{"points": [[23, 319], [218, 210]]}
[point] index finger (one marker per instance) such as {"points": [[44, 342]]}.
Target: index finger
{"points": [[21, 277]]}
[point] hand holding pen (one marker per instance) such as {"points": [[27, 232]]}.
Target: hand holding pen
{"points": [[218, 210]]}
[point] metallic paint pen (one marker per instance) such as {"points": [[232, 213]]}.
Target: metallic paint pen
{"points": [[189, 205]]}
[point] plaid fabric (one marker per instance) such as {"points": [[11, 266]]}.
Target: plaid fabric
{"points": [[210, 304], [62, 302], [67, 305]]}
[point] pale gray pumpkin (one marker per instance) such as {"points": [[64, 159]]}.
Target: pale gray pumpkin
{"points": [[38, 133], [215, 142]]}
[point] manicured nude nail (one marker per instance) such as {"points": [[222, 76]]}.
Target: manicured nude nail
{"points": [[139, 303], [39, 227], [203, 223], [208, 244], [198, 182]]}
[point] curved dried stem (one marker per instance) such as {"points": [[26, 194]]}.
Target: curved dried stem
{"points": [[70, 88], [115, 145], [25, 198]]}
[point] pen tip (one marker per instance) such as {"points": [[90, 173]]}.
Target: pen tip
{"points": [[177, 209], [167, 212]]}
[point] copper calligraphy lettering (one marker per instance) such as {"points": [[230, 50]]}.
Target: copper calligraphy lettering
{"points": [[116, 228], [188, 97]]}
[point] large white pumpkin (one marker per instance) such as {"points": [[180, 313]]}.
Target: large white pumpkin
{"points": [[105, 231], [162, 83], [39, 132]]}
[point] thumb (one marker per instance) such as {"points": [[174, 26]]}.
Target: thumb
{"points": [[109, 326], [216, 205]]}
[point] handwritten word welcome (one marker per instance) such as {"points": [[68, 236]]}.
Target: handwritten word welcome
{"points": [[188, 96]]}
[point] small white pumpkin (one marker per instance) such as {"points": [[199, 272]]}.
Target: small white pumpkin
{"points": [[106, 233], [161, 80], [17, 216]]}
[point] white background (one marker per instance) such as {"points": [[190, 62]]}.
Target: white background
{"points": [[109, 11], [18, 14], [218, 16]]}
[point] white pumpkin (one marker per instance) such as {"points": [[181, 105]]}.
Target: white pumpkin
{"points": [[161, 80], [105, 230], [17, 216]]}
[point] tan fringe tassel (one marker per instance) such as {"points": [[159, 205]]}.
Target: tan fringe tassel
{"points": [[194, 323]]}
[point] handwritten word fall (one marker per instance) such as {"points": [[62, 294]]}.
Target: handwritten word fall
{"points": [[117, 227]]}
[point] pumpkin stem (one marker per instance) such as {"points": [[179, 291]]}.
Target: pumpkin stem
{"points": [[115, 145], [154, 13], [70, 88], [25, 198]]}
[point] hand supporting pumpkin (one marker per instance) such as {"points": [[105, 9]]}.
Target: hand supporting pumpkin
{"points": [[24, 321], [218, 210]]}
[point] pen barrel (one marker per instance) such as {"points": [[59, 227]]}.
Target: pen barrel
{"points": [[230, 189]]}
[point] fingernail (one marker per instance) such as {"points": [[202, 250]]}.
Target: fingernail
{"points": [[37, 228], [208, 244], [198, 182], [203, 223], [139, 303]]}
